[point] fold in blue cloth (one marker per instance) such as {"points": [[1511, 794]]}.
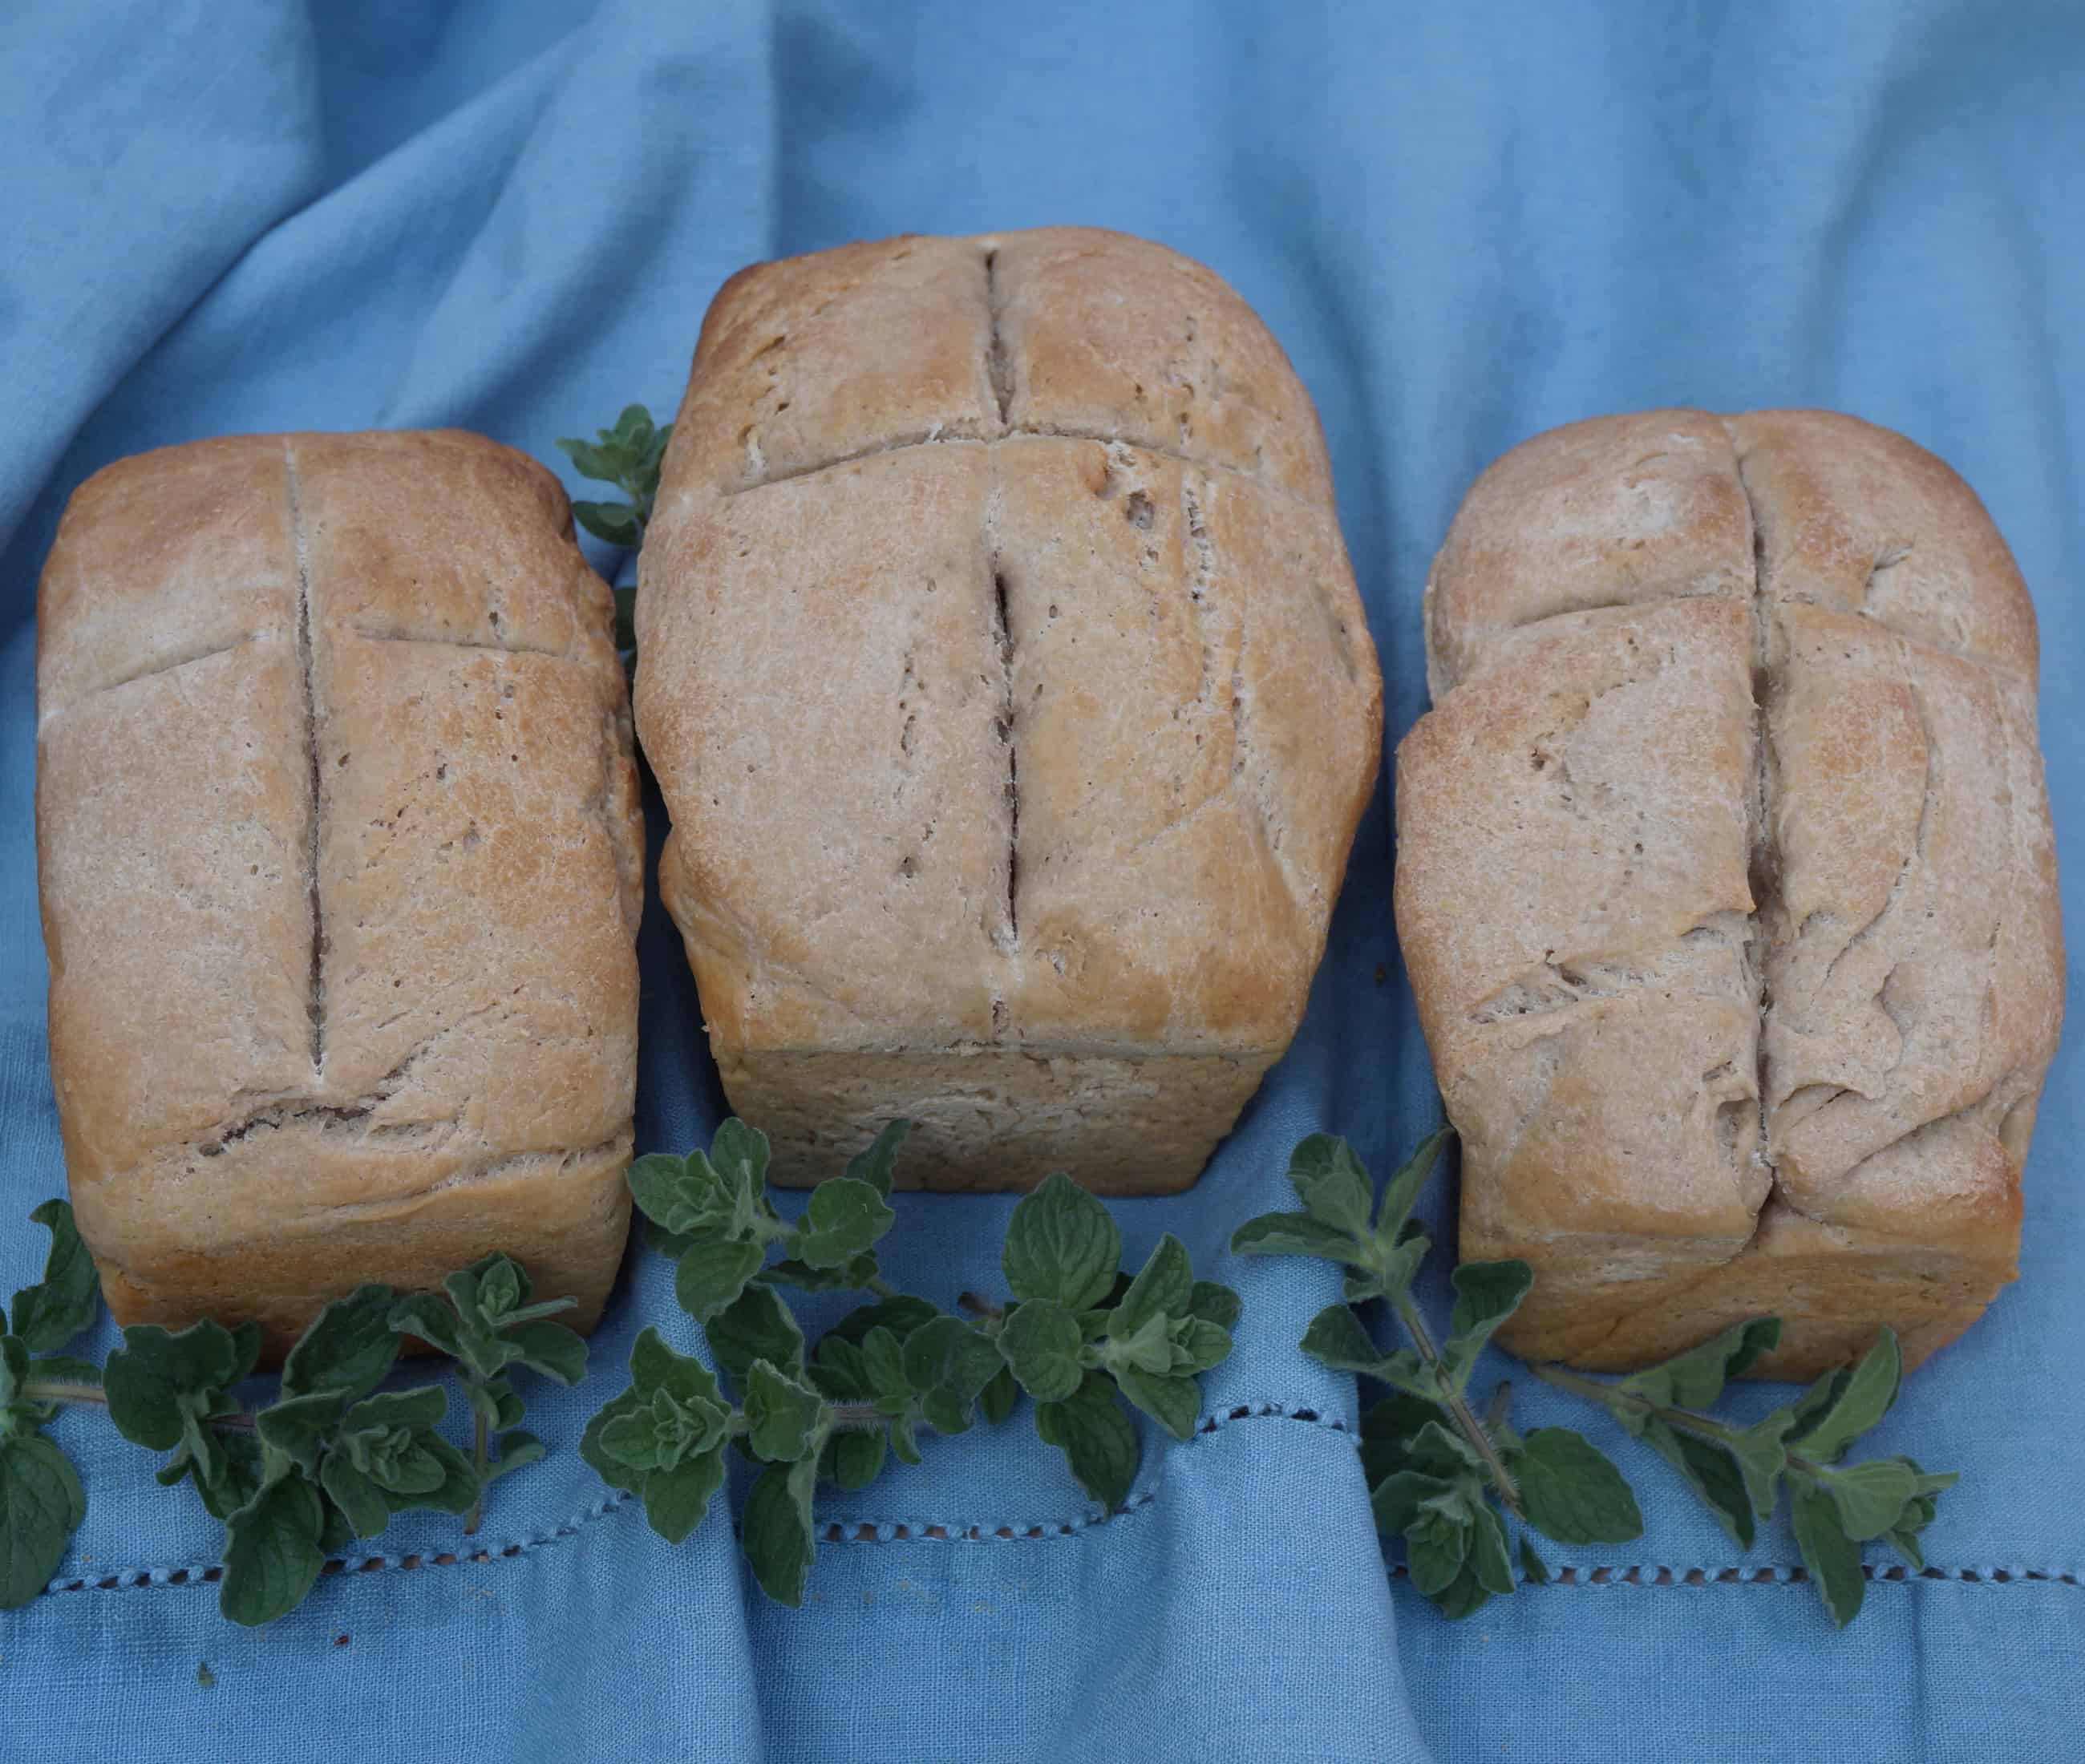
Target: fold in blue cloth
{"points": [[1466, 224]]}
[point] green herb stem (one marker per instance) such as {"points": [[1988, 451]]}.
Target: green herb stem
{"points": [[37, 1390], [1473, 1430], [989, 1315], [481, 1460], [1612, 1397]]}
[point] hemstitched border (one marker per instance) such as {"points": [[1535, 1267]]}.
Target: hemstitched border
{"points": [[857, 1531]]}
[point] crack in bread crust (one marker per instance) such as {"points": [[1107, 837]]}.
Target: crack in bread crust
{"points": [[931, 437], [316, 779]]}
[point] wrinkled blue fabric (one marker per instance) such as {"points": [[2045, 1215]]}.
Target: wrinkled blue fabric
{"points": [[1466, 223]]}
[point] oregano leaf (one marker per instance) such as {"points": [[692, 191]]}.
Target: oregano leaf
{"points": [[877, 1164], [996, 1400], [1330, 1182], [712, 1274], [677, 1498], [776, 1529], [1487, 1293], [843, 1217], [355, 1493], [1175, 1404], [1436, 1546], [1402, 1190], [548, 1347], [1831, 1557], [1489, 1561], [1870, 1497], [1042, 1343], [348, 1347], [756, 1325], [1857, 1404], [1165, 1286], [668, 1193], [1712, 1473], [1097, 1437], [1215, 1303], [1336, 1338], [1572, 1491], [1062, 1244], [858, 1457], [272, 1552], [433, 1320], [65, 1300], [42, 1506], [1296, 1234], [1695, 1380], [1397, 1498], [782, 1414], [945, 1353]]}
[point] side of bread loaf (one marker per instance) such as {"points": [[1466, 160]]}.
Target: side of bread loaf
{"points": [[1727, 885], [1006, 680], [340, 855]]}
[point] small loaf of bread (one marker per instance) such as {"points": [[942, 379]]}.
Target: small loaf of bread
{"points": [[1726, 882], [1003, 670], [341, 865]]}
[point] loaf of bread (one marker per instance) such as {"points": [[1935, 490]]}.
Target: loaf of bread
{"points": [[1726, 883], [1004, 673], [340, 863]]}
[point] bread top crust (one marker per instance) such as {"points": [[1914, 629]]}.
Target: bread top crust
{"points": [[999, 655], [1891, 904], [396, 631], [1653, 506]]}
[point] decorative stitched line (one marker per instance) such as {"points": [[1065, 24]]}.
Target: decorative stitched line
{"points": [[915, 1531]]}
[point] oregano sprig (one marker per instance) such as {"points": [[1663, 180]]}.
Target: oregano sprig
{"points": [[1085, 1338], [41, 1500], [1436, 1468], [1738, 1471], [293, 1480], [627, 456], [484, 1320]]}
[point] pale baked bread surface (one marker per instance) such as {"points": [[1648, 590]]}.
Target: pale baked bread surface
{"points": [[340, 861], [1725, 883], [1003, 670]]}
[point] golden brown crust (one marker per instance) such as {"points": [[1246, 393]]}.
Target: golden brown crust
{"points": [[1082, 790], [1711, 893], [293, 1052]]}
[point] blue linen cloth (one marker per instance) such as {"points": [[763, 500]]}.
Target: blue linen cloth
{"points": [[1466, 224]]}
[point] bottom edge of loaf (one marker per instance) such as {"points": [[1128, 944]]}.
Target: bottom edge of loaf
{"points": [[997, 1118], [1833, 1287], [171, 1252]]}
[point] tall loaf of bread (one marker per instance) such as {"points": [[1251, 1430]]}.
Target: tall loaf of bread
{"points": [[1002, 671], [341, 867], [1726, 882]]}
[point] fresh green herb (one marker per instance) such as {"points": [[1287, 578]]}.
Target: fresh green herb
{"points": [[484, 1321], [41, 1501], [627, 456], [331, 1458], [1436, 1469], [1080, 1335], [1738, 1470]]}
